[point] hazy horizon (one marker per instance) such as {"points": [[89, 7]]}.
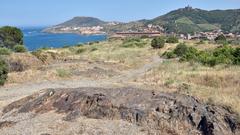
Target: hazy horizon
{"points": [[46, 13]]}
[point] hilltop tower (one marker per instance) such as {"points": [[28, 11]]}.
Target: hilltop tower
{"points": [[188, 7]]}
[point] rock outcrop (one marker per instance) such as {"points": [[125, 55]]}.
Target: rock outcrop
{"points": [[158, 113]]}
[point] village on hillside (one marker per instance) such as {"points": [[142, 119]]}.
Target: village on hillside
{"points": [[156, 30], [150, 30]]}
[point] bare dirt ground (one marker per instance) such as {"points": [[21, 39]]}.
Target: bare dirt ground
{"points": [[11, 93]]}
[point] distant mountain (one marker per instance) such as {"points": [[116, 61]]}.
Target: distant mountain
{"points": [[184, 20], [82, 25], [188, 20], [83, 22]]}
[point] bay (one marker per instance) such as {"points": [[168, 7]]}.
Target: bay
{"points": [[34, 39]]}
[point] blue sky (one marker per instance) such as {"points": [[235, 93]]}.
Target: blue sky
{"points": [[51, 12]]}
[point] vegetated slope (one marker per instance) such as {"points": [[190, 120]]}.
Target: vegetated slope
{"points": [[131, 26], [83, 22], [189, 20]]}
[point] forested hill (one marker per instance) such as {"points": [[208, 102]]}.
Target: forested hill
{"points": [[187, 20], [83, 22]]}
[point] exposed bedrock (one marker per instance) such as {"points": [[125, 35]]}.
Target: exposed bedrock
{"points": [[157, 113]]}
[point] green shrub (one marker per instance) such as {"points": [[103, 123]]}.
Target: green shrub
{"points": [[169, 55], [222, 55], [4, 69], [44, 48], [5, 51], [19, 48], [201, 42], [236, 55], [80, 50], [206, 58], [90, 43], [79, 45], [94, 49], [144, 36], [63, 73], [221, 39], [158, 43], [181, 49], [66, 46], [190, 54], [172, 39], [133, 42]]}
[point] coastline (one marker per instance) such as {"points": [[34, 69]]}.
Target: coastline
{"points": [[78, 33], [37, 38]]}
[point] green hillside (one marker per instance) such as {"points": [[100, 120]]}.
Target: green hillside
{"points": [[187, 20], [83, 22]]}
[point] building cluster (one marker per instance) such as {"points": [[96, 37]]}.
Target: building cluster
{"points": [[207, 35], [153, 28], [83, 30], [150, 31]]}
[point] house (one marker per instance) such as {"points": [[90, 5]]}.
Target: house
{"points": [[230, 35], [188, 37]]}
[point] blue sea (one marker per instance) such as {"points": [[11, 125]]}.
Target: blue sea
{"points": [[34, 39]]}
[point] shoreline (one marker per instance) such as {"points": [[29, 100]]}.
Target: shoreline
{"points": [[59, 40]]}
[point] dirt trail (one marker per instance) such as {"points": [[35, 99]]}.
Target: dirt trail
{"points": [[12, 93], [156, 60]]}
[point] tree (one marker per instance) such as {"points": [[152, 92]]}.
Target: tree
{"points": [[10, 36], [158, 42], [19, 48], [3, 71], [236, 55], [221, 39], [181, 49]]}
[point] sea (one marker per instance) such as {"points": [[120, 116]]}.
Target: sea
{"points": [[35, 39]]}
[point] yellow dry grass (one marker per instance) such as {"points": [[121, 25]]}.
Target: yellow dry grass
{"points": [[218, 85]]}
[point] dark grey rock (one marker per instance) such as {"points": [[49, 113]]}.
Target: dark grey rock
{"points": [[157, 112]]}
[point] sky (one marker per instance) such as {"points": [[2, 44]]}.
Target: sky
{"points": [[51, 12]]}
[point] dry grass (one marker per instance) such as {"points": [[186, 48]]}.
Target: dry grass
{"points": [[63, 73], [219, 85], [112, 51], [31, 75]]}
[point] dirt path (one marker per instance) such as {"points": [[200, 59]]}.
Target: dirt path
{"points": [[156, 60], [9, 94]]}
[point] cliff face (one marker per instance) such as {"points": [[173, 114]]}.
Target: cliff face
{"points": [[155, 112]]}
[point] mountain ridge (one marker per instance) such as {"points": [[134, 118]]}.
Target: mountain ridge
{"points": [[183, 20]]}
